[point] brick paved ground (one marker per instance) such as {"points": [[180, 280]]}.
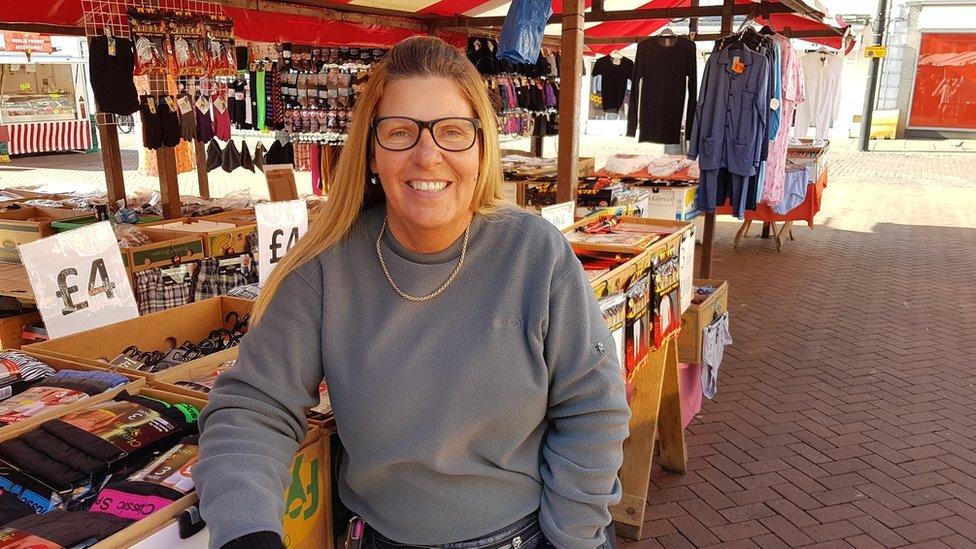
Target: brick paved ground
{"points": [[846, 413]]}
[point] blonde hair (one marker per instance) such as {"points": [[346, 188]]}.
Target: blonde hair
{"points": [[419, 56]]}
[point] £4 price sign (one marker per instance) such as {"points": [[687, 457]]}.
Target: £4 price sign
{"points": [[280, 226], [79, 280]]}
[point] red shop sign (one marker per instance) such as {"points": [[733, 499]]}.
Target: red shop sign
{"points": [[26, 41]]}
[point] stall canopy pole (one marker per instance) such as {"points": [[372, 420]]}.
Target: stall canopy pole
{"points": [[203, 183], [108, 136], [708, 239], [569, 100], [872, 89]]}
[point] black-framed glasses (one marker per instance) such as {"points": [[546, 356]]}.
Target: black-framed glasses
{"points": [[400, 133]]}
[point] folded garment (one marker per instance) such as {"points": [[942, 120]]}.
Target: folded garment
{"points": [[624, 164], [18, 370], [68, 528], [12, 508], [60, 476], [37, 400], [92, 383], [667, 165]]}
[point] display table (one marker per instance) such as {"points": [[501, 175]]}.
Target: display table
{"points": [[39, 137], [806, 211]]}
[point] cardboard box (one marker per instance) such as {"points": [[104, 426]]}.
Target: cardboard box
{"points": [[135, 382], [700, 316], [166, 380], [220, 236], [167, 247], [12, 327], [26, 225], [157, 519], [671, 202], [157, 331], [673, 229], [308, 507]]}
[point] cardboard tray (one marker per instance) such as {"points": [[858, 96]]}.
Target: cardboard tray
{"points": [[677, 227], [135, 383], [162, 330], [166, 380], [698, 317], [167, 248], [313, 532], [16, 228], [14, 282], [218, 242], [12, 328]]}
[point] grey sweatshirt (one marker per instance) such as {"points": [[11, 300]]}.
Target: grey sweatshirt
{"points": [[458, 415]]}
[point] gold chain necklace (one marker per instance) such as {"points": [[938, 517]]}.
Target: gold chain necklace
{"points": [[435, 293]]}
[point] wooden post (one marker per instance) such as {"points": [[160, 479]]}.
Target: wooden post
{"points": [[169, 185], [538, 146], [569, 100], [655, 415], [708, 239], [111, 157], [203, 183]]}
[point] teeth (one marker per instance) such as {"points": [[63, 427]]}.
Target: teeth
{"points": [[429, 186]]}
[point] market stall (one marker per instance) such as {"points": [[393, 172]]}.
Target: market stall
{"points": [[44, 104]]}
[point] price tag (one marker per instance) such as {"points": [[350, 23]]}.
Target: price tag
{"points": [[560, 215], [78, 279], [686, 266], [280, 226]]}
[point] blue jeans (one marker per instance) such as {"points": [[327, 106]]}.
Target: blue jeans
{"points": [[522, 534]]}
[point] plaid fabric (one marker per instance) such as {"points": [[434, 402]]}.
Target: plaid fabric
{"points": [[155, 293], [205, 279], [216, 277]]}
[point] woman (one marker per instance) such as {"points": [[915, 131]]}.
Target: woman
{"points": [[472, 376]]}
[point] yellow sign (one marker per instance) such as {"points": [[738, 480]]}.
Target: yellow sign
{"points": [[875, 52]]}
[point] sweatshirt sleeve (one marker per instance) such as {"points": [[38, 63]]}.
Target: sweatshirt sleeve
{"points": [[252, 426], [583, 450]]}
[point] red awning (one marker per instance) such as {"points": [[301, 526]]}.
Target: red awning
{"points": [[265, 26]]}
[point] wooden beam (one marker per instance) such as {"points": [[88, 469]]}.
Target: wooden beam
{"points": [[108, 134], [169, 186], [643, 15], [728, 12], [820, 33], [44, 28], [203, 182], [567, 173], [693, 22], [337, 12]]}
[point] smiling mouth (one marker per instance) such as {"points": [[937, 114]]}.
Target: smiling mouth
{"points": [[429, 186]]}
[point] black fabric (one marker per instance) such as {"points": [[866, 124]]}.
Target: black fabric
{"points": [[71, 528], [142, 488], [87, 387], [259, 153], [152, 131], [75, 438], [231, 157], [280, 154], [664, 73], [60, 476], [214, 156], [246, 161], [111, 75], [95, 381], [613, 80], [253, 86], [169, 121], [11, 508], [243, 57], [257, 540], [188, 121]]}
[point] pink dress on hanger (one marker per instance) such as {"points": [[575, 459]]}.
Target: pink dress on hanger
{"points": [[793, 95]]}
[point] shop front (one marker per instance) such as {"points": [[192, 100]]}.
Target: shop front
{"points": [[43, 93]]}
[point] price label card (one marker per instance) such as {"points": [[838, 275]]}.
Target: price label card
{"points": [[280, 226], [79, 280], [686, 266], [560, 215]]}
